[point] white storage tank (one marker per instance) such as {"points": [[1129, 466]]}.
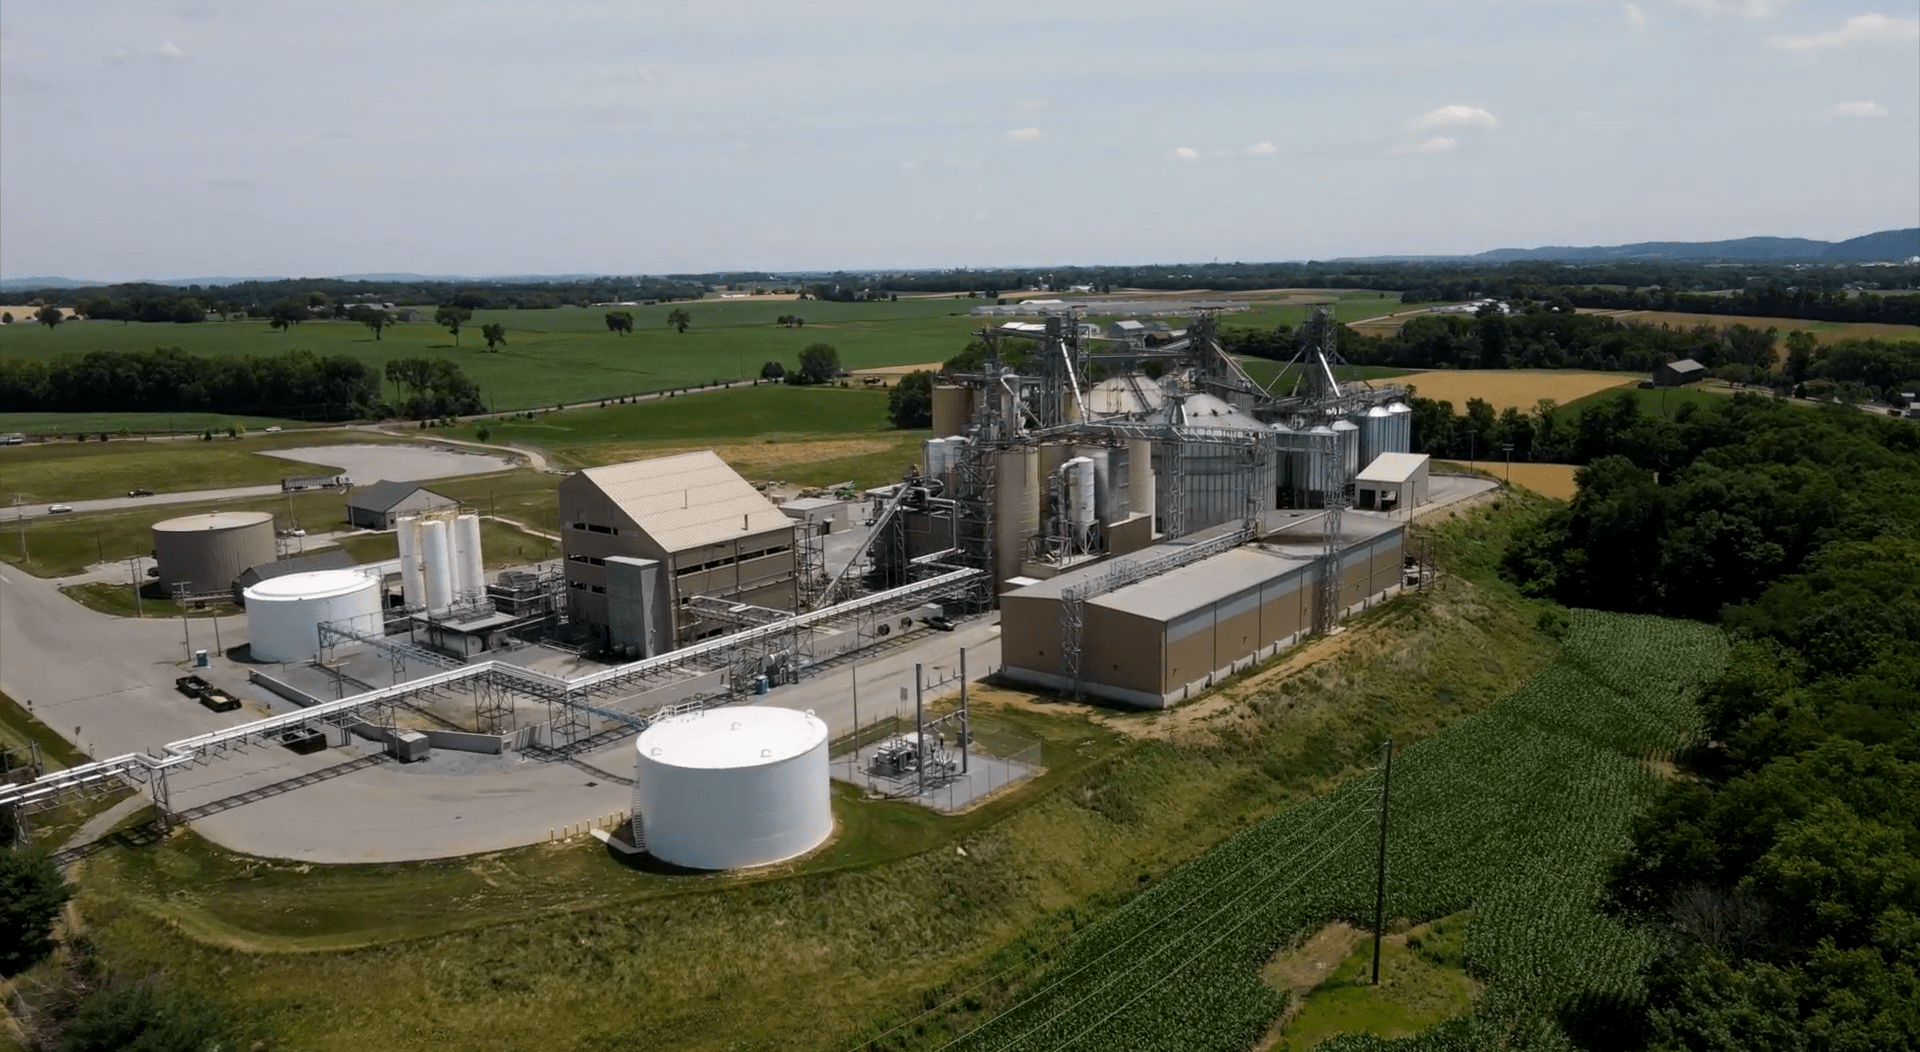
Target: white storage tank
{"points": [[284, 614], [1080, 493], [436, 552], [471, 573], [413, 580], [733, 787], [1376, 434]]}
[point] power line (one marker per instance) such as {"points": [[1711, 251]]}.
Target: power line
{"points": [[1125, 971], [1062, 940]]}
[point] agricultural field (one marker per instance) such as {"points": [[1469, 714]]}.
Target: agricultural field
{"points": [[548, 946], [1520, 389], [1550, 480], [1514, 812], [1824, 331], [566, 355], [1279, 377], [94, 425]]}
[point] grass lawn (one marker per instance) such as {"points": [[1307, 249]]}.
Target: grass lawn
{"points": [[1658, 401], [53, 471], [63, 545], [561, 947], [118, 600], [1422, 982], [18, 727], [566, 355]]}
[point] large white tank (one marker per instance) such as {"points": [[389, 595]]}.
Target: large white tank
{"points": [[413, 582], [1080, 494], [1402, 435], [1140, 478], [435, 552], [936, 457], [733, 787], [284, 614], [472, 573]]}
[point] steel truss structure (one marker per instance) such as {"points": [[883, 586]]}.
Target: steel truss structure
{"points": [[494, 686]]}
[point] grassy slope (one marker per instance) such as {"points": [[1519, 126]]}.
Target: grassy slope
{"points": [[1659, 401], [566, 355], [602, 957]]}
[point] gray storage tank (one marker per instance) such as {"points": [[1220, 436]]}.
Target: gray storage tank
{"points": [[1401, 440], [1376, 434], [204, 553]]}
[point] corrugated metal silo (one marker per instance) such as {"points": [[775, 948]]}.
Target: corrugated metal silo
{"points": [[1376, 434], [204, 553], [1348, 434], [1402, 440]]}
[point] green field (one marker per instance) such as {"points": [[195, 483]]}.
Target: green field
{"points": [[1279, 377], [95, 424], [51, 471], [566, 355], [561, 947], [1658, 401]]}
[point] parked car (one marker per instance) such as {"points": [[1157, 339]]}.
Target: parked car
{"points": [[139, 493], [59, 509], [153, 571], [273, 429], [939, 623]]}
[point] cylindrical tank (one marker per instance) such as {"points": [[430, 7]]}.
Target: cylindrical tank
{"points": [[1376, 434], [206, 552], [935, 457], [413, 580], [1080, 493], [1319, 465], [1140, 478], [438, 558], [1017, 491], [952, 409], [733, 787], [1285, 468], [1103, 502], [284, 614], [1402, 440], [1348, 434], [473, 574]]}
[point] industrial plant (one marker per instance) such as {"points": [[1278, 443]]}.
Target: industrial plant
{"points": [[1145, 517]]}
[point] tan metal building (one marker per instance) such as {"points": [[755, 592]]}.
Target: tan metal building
{"points": [[205, 553], [710, 532], [1158, 641]]}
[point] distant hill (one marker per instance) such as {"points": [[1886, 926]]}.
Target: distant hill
{"points": [[1887, 245], [13, 284]]}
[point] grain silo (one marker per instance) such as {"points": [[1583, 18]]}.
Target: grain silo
{"points": [[284, 614], [1402, 440], [204, 553], [733, 787], [1376, 434]]}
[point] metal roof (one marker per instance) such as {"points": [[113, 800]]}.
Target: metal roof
{"points": [[331, 559], [744, 736], [688, 500], [1392, 468], [1686, 365], [212, 520], [383, 495], [1207, 411], [1200, 584]]}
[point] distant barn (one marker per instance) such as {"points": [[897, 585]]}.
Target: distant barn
{"points": [[1676, 374]]}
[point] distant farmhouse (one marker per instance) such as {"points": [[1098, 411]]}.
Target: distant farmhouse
{"points": [[1678, 374]]}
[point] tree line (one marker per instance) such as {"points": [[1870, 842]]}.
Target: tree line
{"points": [[1769, 297], [295, 384], [1780, 873]]}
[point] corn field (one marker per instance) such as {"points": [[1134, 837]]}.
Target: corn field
{"points": [[1514, 814]]}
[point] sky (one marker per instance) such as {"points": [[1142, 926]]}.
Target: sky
{"points": [[157, 139]]}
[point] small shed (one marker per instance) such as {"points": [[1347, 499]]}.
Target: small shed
{"points": [[830, 514], [1676, 374], [331, 559], [1393, 481], [379, 506]]}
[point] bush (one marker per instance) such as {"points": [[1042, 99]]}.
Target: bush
{"points": [[32, 894], [143, 1017]]}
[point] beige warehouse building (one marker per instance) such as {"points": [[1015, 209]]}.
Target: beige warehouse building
{"points": [[642, 538], [1158, 641]]}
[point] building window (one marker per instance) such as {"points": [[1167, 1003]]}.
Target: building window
{"points": [[598, 590], [577, 584]]}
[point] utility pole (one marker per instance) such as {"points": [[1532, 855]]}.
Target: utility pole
{"points": [[133, 574], [854, 668], [966, 723], [919, 734], [20, 518], [1380, 864], [1507, 448]]}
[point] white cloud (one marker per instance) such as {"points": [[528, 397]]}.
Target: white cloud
{"points": [[1262, 149], [1748, 8], [1860, 29], [119, 55], [1455, 116], [169, 50], [1026, 134], [1858, 109], [1032, 105], [1437, 144], [909, 166], [1184, 153], [1636, 18]]}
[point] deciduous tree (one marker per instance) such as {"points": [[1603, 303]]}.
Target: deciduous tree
{"points": [[678, 319], [32, 894], [620, 321], [49, 316], [451, 317], [495, 334]]}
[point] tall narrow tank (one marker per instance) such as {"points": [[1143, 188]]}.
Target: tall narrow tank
{"points": [[1402, 440], [1080, 494], [1348, 434], [413, 583], [732, 787], [933, 455], [473, 575], [1376, 434], [952, 409], [1140, 478], [284, 614], [1103, 501], [436, 554], [1018, 488], [1285, 461]]}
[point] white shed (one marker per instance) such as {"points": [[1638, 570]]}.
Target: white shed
{"points": [[1392, 482]]}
